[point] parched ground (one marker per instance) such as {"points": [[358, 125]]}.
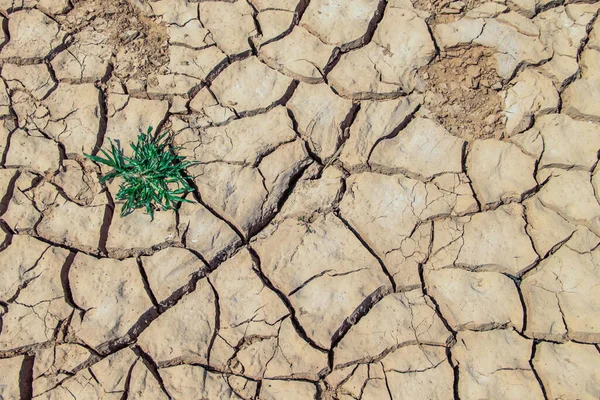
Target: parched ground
{"points": [[393, 200]]}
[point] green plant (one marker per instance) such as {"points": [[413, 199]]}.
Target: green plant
{"points": [[153, 178]]}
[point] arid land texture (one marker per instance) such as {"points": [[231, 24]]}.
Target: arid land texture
{"points": [[393, 200]]}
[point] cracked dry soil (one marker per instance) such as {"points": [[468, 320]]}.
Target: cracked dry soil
{"points": [[394, 200]]}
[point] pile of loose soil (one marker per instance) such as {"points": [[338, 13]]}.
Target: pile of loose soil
{"points": [[462, 93], [139, 42], [445, 11]]}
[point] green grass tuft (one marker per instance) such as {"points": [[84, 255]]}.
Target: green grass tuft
{"points": [[154, 178]]}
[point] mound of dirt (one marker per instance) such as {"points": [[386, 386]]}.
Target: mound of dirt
{"points": [[139, 43], [462, 93], [444, 11]]}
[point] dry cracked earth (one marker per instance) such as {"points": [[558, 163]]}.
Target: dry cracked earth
{"points": [[393, 200]]}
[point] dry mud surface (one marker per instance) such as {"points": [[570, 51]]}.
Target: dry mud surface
{"points": [[394, 200]]}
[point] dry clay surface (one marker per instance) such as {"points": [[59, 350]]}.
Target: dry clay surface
{"points": [[393, 200]]}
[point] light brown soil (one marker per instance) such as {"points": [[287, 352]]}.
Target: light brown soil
{"points": [[363, 224], [140, 43], [444, 11], [462, 93]]}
